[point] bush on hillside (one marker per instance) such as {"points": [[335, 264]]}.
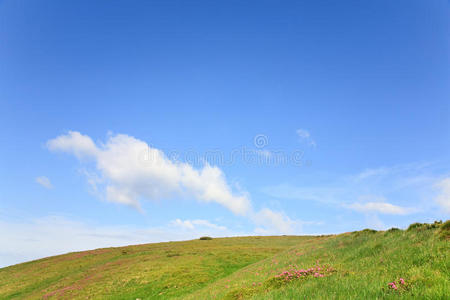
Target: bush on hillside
{"points": [[424, 226], [392, 230], [205, 238], [444, 232], [364, 231], [415, 226]]}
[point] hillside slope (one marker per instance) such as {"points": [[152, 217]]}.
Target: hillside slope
{"points": [[353, 265]]}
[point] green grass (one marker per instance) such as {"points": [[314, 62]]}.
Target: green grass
{"points": [[364, 262]]}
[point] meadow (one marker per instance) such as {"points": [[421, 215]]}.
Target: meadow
{"points": [[367, 264]]}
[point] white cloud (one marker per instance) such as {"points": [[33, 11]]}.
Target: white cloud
{"points": [[44, 181], [75, 143], [32, 239], [379, 207], [443, 198], [196, 224], [128, 170], [305, 136], [272, 222]]}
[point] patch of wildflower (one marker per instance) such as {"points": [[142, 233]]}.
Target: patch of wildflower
{"points": [[392, 285], [296, 273], [399, 285]]}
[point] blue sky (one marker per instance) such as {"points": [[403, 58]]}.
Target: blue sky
{"points": [[166, 120]]}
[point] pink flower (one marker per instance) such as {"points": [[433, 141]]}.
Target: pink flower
{"points": [[392, 285], [402, 281]]}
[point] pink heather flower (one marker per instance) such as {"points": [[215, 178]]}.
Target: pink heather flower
{"points": [[316, 274], [392, 285], [402, 281]]}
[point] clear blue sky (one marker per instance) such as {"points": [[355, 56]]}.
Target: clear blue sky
{"points": [[360, 88]]}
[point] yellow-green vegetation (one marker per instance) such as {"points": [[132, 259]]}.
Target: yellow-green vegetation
{"points": [[357, 265]]}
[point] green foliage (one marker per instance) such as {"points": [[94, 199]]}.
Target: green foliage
{"points": [[366, 231], [444, 231], [415, 226], [206, 238], [424, 226], [393, 229]]}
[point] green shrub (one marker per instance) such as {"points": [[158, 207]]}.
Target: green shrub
{"points": [[393, 229], [204, 238], [364, 232], [415, 226], [424, 226], [436, 224], [444, 232]]}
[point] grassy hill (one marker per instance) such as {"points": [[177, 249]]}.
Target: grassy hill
{"points": [[357, 265]]}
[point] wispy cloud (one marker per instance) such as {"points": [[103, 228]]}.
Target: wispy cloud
{"points": [[327, 194], [443, 198], [410, 171], [275, 222], [305, 136], [380, 207], [44, 181], [196, 225], [397, 190]]}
